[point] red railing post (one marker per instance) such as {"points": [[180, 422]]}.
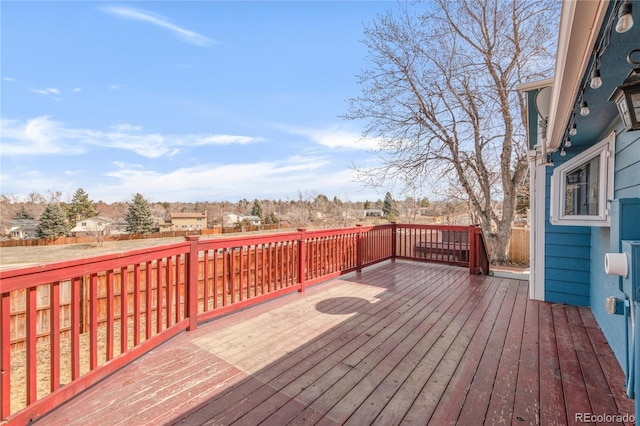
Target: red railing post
{"points": [[302, 254], [359, 248], [192, 282], [472, 249], [5, 356], [393, 241]]}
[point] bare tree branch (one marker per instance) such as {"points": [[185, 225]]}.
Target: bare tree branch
{"points": [[440, 96]]}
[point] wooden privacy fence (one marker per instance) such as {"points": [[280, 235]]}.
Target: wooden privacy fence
{"points": [[67, 325], [92, 240], [519, 245]]}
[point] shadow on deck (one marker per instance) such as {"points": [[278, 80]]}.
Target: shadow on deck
{"points": [[400, 342]]}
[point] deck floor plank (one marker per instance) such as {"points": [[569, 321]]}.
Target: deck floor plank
{"points": [[430, 332], [479, 395], [526, 409], [323, 398], [576, 398], [318, 358], [608, 364], [460, 365], [396, 409], [500, 410], [401, 342]]}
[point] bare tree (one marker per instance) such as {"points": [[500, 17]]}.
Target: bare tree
{"points": [[440, 96]]}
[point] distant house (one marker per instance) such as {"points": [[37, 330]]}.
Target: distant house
{"points": [[253, 220], [372, 213], [89, 226], [119, 226], [165, 225], [232, 219], [190, 221], [22, 229]]}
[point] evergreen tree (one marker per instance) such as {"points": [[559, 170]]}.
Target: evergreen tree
{"points": [[257, 209], [22, 214], [388, 206], [271, 219], [367, 205], [139, 216], [53, 222], [81, 207]]}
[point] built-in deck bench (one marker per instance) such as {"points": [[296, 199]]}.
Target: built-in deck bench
{"points": [[454, 245]]}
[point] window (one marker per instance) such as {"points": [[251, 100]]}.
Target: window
{"points": [[581, 187]]}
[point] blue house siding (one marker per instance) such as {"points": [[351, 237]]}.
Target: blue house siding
{"points": [[603, 286], [574, 255], [567, 266], [604, 240], [627, 166]]}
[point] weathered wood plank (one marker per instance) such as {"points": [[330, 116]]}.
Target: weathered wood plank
{"points": [[331, 368], [400, 342], [576, 398], [448, 401], [429, 333], [552, 409], [422, 389], [478, 397], [311, 358], [600, 396], [608, 363], [500, 410], [526, 408]]}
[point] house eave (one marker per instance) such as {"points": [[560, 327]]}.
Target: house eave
{"points": [[580, 23], [534, 85]]}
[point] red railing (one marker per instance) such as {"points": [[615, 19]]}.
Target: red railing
{"points": [[67, 325], [455, 245]]}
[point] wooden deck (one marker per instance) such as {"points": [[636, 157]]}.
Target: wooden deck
{"points": [[402, 342]]}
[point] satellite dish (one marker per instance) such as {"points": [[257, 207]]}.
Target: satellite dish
{"points": [[543, 101]]}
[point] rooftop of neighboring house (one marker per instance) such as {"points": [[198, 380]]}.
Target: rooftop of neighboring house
{"points": [[187, 215]]}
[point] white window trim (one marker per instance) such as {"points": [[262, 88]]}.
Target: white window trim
{"points": [[606, 150]]}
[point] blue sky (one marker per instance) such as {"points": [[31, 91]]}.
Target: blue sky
{"points": [[182, 101]]}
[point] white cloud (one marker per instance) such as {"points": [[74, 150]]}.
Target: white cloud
{"points": [[47, 91], [269, 179], [9, 79], [336, 137], [144, 16], [42, 135], [125, 127], [76, 90], [38, 136], [115, 87]]}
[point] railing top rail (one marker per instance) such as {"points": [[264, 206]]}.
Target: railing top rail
{"points": [[463, 228], [318, 233], [15, 279], [246, 240]]}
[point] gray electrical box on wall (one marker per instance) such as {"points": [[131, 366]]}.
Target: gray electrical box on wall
{"points": [[625, 225], [631, 283]]}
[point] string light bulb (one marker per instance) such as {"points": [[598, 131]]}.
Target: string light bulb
{"points": [[563, 153], [574, 130], [584, 110], [625, 19], [567, 144], [596, 81]]}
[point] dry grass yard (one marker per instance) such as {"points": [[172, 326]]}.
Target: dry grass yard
{"points": [[18, 257]]}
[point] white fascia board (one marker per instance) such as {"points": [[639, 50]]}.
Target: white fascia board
{"points": [[580, 23], [533, 85]]}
